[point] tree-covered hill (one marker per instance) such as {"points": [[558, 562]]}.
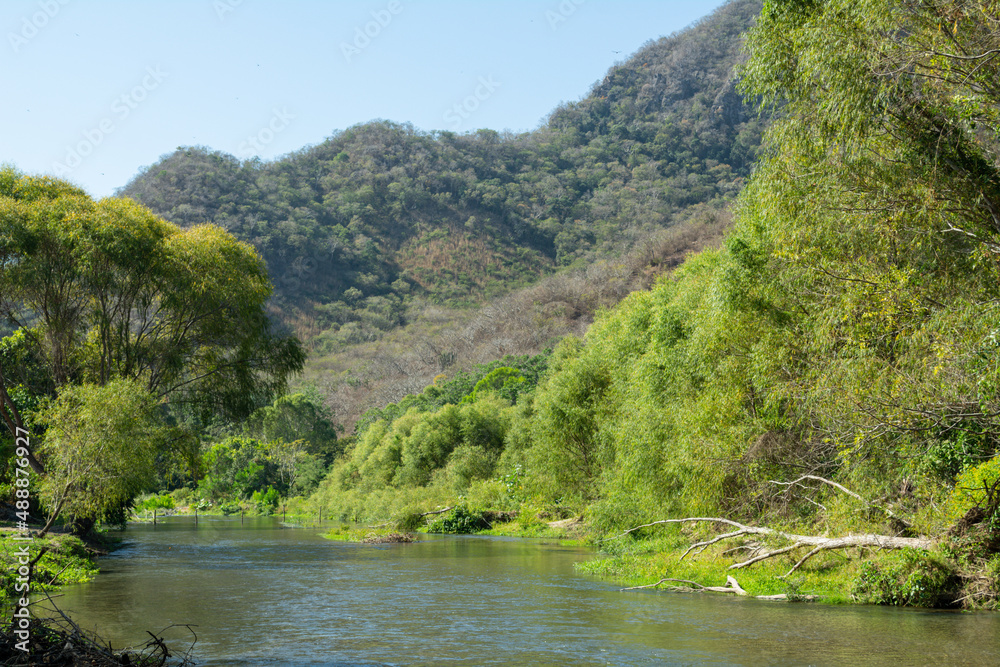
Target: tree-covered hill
{"points": [[833, 370], [357, 227]]}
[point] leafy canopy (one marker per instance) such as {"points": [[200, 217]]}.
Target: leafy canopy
{"points": [[106, 290]]}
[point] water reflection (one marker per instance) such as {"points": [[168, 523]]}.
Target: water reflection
{"points": [[261, 594]]}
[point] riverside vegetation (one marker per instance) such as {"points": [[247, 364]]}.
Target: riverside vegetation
{"points": [[830, 371], [821, 386], [397, 255]]}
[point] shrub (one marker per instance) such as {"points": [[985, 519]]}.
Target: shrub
{"points": [[460, 520], [267, 501], [182, 495], [466, 465], [230, 508], [410, 519], [978, 486], [911, 577], [152, 502]]}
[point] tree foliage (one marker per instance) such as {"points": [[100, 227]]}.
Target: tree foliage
{"points": [[510, 377], [99, 447], [846, 329], [293, 417], [381, 213], [103, 290]]}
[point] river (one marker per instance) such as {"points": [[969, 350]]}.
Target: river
{"points": [[263, 594]]}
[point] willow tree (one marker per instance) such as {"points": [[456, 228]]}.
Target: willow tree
{"points": [[858, 295], [875, 219], [104, 290], [100, 445]]}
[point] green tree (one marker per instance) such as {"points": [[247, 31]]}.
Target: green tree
{"points": [[569, 449], [237, 467], [99, 447], [296, 417], [876, 216], [104, 290]]}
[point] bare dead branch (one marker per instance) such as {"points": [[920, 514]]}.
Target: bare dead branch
{"points": [[820, 479], [818, 543], [732, 587]]}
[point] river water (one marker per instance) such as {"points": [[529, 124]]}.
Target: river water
{"points": [[263, 594]]}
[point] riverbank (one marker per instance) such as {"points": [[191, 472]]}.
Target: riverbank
{"points": [[665, 563], [501, 600], [461, 519], [957, 571], [944, 576], [58, 641], [67, 560]]}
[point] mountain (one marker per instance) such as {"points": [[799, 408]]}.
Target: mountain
{"points": [[368, 230]]}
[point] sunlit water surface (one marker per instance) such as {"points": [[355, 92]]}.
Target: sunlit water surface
{"points": [[263, 594]]}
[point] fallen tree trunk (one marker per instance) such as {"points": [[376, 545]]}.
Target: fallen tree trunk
{"points": [[732, 586], [817, 543], [419, 516]]}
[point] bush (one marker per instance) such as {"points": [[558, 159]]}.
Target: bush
{"points": [[230, 508], [267, 501], [466, 465], [912, 577], [976, 487], [410, 519], [948, 457], [460, 520], [155, 502]]}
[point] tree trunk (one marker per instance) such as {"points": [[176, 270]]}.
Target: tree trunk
{"points": [[798, 541]]}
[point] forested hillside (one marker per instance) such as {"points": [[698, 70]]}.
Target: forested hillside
{"points": [[393, 253], [831, 371], [380, 216], [823, 383]]}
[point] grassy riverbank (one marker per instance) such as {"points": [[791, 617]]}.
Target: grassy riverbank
{"points": [[953, 573], [647, 562], [463, 520], [67, 560], [948, 575]]}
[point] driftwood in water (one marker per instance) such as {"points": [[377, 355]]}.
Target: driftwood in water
{"points": [[57, 640], [732, 586], [390, 538]]}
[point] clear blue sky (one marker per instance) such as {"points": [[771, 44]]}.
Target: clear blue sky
{"points": [[93, 90]]}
